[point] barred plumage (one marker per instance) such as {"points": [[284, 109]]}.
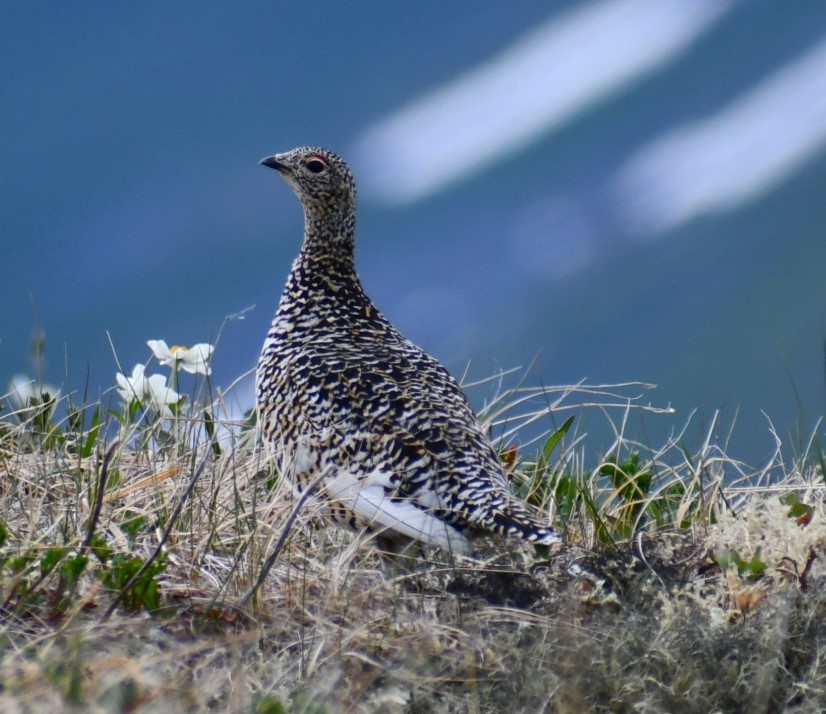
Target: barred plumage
{"points": [[345, 398]]}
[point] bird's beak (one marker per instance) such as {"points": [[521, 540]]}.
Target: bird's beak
{"points": [[273, 163]]}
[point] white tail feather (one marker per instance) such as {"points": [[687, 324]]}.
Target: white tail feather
{"points": [[368, 498]]}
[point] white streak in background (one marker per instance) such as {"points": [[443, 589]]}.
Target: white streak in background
{"points": [[532, 87], [734, 157]]}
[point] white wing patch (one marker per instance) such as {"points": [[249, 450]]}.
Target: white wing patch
{"points": [[368, 498]]}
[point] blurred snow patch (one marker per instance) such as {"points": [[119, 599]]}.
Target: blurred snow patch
{"points": [[731, 158], [541, 81]]}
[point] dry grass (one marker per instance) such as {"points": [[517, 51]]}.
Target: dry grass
{"points": [[633, 614]]}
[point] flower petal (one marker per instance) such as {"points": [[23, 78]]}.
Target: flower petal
{"points": [[195, 360], [133, 387], [166, 356], [159, 392], [159, 349]]}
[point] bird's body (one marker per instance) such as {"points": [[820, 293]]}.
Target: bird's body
{"points": [[347, 402]]}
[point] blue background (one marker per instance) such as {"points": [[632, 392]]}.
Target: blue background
{"points": [[131, 200]]}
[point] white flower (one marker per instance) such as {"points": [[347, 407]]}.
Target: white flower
{"points": [[149, 391], [194, 360], [22, 390]]}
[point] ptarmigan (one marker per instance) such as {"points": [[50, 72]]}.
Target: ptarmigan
{"points": [[348, 403]]}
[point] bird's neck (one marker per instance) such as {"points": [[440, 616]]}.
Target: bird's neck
{"points": [[326, 261], [329, 234]]}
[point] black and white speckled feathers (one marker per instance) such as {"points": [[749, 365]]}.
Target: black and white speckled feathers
{"points": [[343, 396]]}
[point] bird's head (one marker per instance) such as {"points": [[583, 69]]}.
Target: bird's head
{"points": [[321, 179]]}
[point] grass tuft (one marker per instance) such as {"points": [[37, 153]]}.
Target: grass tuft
{"points": [[155, 561]]}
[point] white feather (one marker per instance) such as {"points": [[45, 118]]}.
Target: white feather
{"points": [[368, 498]]}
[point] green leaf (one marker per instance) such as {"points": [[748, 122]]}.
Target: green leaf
{"points": [[114, 480], [20, 563], [74, 419], [209, 426], [132, 412], [726, 560], [270, 705], [133, 526], [72, 569], [630, 480], [554, 439], [144, 592], [99, 547], [566, 495], [797, 509], [754, 567], [92, 437], [50, 559]]}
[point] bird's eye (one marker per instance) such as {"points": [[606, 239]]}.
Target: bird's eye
{"points": [[316, 165]]}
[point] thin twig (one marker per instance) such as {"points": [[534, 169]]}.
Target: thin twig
{"points": [[166, 531], [262, 576], [95, 517]]}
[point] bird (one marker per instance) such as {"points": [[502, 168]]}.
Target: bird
{"points": [[354, 410]]}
